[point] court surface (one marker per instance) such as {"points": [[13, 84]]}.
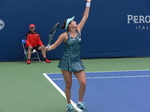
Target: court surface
{"points": [[112, 91], [23, 88]]}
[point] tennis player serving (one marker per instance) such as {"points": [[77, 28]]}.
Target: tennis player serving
{"points": [[70, 61]]}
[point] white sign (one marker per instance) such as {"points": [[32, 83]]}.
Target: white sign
{"points": [[140, 22]]}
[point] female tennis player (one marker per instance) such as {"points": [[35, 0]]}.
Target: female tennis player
{"points": [[70, 62]]}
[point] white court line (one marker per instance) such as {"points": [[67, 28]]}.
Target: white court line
{"points": [[54, 84], [108, 71], [111, 77], [119, 71]]}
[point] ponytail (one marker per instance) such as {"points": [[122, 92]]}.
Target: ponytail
{"points": [[64, 24]]}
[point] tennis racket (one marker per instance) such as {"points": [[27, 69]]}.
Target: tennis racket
{"points": [[52, 34]]}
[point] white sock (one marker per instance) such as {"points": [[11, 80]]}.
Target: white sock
{"points": [[79, 102], [68, 104]]}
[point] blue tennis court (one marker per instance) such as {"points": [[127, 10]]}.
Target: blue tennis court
{"points": [[116, 91]]}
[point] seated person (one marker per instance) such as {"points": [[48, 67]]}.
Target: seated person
{"points": [[33, 41]]}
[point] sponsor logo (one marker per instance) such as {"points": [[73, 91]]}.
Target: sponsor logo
{"points": [[2, 24], [140, 22], [72, 39]]}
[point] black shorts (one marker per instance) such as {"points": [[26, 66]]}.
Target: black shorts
{"points": [[36, 48]]}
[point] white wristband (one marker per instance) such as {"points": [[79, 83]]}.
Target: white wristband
{"points": [[88, 4]]}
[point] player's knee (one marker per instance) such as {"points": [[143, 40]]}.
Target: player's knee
{"points": [[68, 85], [83, 84]]}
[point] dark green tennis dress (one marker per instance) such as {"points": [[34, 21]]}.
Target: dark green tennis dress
{"points": [[71, 57]]}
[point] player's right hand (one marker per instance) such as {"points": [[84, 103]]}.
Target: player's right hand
{"points": [[48, 48]]}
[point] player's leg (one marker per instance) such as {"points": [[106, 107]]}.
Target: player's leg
{"points": [[68, 83], [82, 81]]}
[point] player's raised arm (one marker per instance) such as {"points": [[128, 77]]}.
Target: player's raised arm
{"points": [[85, 15]]}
